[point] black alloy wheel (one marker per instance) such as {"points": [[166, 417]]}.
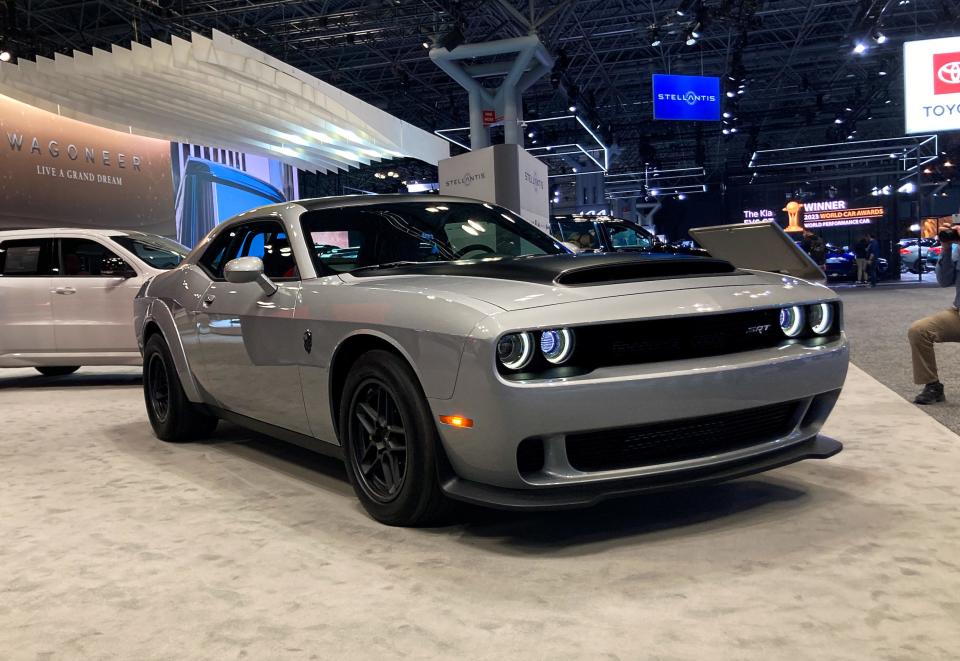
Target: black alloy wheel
{"points": [[390, 442], [158, 387], [379, 441], [172, 416]]}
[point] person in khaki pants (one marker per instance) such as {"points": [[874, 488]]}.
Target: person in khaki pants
{"points": [[940, 327]]}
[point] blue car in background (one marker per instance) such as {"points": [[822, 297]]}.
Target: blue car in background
{"points": [[842, 265]]}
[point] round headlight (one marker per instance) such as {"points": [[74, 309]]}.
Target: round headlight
{"points": [[556, 345], [515, 350], [791, 321], [821, 318]]}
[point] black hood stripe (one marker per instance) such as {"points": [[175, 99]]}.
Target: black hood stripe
{"points": [[567, 270]]}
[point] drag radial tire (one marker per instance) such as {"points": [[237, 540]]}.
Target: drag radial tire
{"points": [[173, 417], [58, 371], [390, 442]]}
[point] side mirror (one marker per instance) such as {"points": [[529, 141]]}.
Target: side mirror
{"points": [[244, 270], [114, 267], [572, 247]]}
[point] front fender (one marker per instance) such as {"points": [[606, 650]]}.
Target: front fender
{"points": [[157, 312]]}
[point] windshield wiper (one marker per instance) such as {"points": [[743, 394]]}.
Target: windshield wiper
{"points": [[385, 265]]}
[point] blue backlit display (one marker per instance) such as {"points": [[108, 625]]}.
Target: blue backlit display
{"points": [[687, 98]]}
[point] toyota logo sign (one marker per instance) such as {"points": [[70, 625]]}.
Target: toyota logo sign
{"points": [[931, 85], [946, 67]]}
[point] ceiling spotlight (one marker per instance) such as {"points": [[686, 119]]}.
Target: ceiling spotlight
{"points": [[879, 37], [733, 129], [654, 192], [5, 56], [838, 120], [860, 48], [682, 196], [531, 134], [572, 108], [426, 45], [731, 94], [727, 115], [691, 40], [927, 171], [655, 39], [726, 131], [948, 163]]}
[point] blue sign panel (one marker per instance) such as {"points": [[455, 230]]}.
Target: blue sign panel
{"points": [[690, 98]]}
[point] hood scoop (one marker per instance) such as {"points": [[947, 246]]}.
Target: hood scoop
{"points": [[633, 271]]}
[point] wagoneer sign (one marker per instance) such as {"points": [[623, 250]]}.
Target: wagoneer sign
{"points": [[58, 171]]}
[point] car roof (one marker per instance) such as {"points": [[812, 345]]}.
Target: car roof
{"points": [[45, 231], [339, 201]]}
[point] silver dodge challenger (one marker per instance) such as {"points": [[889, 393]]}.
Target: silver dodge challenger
{"points": [[447, 350]]}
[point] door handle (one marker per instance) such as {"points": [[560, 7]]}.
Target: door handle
{"points": [[65, 290], [208, 301]]}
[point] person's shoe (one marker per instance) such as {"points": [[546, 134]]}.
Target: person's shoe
{"points": [[931, 394]]}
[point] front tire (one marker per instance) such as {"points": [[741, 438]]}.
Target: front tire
{"points": [[390, 442], [58, 371], [174, 418]]}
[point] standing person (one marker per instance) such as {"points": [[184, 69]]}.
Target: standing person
{"points": [[860, 253], [940, 327], [873, 258], [818, 250]]}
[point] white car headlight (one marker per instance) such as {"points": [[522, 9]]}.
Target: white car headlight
{"points": [[821, 318], [515, 350], [556, 345], [791, 321]]}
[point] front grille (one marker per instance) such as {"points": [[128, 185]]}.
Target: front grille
{"points": [[657, 340], [678, 440]]}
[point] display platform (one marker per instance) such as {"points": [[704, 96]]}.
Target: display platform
{"points": [[116, 545]]}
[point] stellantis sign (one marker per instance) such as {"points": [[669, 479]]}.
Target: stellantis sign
{"points": [[931, 71], [691, 98]]}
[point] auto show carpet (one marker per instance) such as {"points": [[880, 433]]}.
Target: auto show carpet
{"points": [[876, 321], [114, 545]]}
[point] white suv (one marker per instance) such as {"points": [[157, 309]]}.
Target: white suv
{"points": [[66, 295]]}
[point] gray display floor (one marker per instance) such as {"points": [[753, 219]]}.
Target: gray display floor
{"points": [[114, 545]]}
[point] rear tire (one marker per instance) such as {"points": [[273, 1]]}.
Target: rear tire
{"points": [[58, 371], [391, 443], [174, 418]]}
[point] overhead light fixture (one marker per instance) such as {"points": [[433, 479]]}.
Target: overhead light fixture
{"points": [[948, 163], [426, 44], [5, 55], [731, 94], [531, 134], [907, 188], [654, 34], [572, 108], [682, 196], [879, 37], [727, 115], [860, 48]]}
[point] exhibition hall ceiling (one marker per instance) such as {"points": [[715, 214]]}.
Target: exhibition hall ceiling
{"points": [[791, 70]]}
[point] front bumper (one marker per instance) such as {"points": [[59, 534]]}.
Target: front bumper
{"points": [[484, 459], [588, 494]]}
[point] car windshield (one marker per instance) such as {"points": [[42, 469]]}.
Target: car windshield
{"points": [[375, 236], [155, 251], [624, 235]]}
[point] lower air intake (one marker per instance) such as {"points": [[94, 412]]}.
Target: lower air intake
{"points": [[679, 440]]}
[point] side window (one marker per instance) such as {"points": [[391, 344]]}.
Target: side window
{"points": [[580, 233], [264, 239], [21, 258], [83, 257]]}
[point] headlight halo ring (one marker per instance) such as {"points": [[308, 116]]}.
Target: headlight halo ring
{"points": [[515, 350], [792, 321], [556, 345], [825, 313]]}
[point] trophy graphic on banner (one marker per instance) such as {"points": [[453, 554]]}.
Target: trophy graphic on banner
{"points": [[793, 216]]}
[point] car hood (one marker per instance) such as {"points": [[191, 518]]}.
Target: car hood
{"points": [[523, 283]]}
